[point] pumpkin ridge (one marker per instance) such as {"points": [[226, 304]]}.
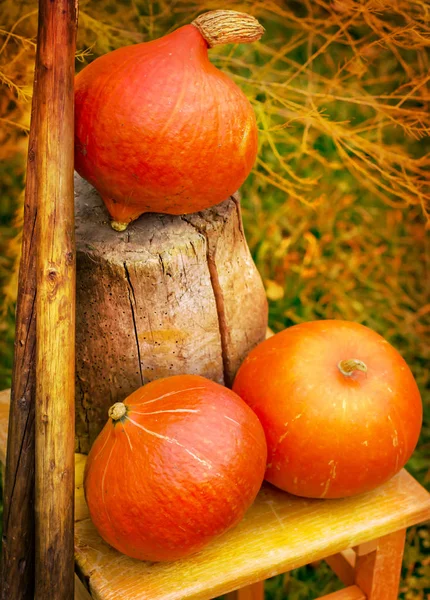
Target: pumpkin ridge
{"points": [[183, 480], [168, 394], [104, 445], [128, 437], [178, 103], [103, 484], [159, 128], [171, 441], [162, 412]]}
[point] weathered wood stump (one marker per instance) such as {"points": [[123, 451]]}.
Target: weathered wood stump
{"points": [[170, 295]]}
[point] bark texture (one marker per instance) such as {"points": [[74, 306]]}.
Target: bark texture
{"points": [[55, 302], [17, 573], [170, 295]]}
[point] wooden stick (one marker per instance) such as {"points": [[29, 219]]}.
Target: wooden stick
{"points": [[343, 564], [17, 573], [55, 305]]}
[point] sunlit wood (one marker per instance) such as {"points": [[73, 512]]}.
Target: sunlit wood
{"points": [[249, 592], [350, 593], [81, 592], [279, 533], [378, 572], [18, 539], [55, 301], [343, 564]]}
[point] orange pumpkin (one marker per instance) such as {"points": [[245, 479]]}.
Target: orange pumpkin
{"points": [[159, 129], [339, 406], [177, 464]]}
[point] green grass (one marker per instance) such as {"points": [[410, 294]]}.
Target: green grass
{"points": [[11, 181]]}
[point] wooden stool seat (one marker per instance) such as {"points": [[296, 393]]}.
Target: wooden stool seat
{"points": [[279, 532]]}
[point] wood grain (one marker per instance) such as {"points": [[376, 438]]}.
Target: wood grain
{"points": [[363, 549], [81, 592], [342, 564], [55, 302], [5, 400], [170, 295], [378, 573], [249, 592], [280, 532], [17, 556], [350, 593]]}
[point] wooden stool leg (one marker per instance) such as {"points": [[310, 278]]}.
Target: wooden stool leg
{"points": [[343, 564], [377, 573], [250, 592]]}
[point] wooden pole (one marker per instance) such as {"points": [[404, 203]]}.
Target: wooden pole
{"points": [[55, 304], [17, 573]]}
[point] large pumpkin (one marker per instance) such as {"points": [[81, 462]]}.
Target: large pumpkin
{"points": [[177, 464], [339, 405], [158, 128]]}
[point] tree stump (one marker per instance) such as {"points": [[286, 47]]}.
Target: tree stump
{"points": [[170, 295]]}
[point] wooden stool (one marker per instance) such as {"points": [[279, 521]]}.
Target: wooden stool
{"points": [[361, 538]]}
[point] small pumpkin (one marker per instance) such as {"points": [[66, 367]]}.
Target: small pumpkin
{"points": [[158, 128], [339, 406], [178, 463]]}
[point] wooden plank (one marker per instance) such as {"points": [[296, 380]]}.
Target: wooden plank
{"points": [[366, 548], [4, 416], [18, 539], [249, 592], [55, 301], [378, 573], [350, 593], [81, 509], [280, 532], [81, 592], [342, 564]]}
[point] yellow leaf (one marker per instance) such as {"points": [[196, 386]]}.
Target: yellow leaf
{"points": [[274, 291]]}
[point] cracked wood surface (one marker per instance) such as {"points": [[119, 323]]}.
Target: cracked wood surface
{"points": [[17, 572], [17, 561], [170, 295]]}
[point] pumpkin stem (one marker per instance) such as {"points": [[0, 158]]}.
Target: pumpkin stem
{"points": [[118, 226], [347, 367], [117, 411], [228, 27]]}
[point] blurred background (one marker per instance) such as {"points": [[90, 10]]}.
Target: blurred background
{"points": [[337, 208]]}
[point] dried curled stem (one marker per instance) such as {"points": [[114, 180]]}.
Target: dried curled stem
{"points": [[228, 27], [347, 367], [117, 411], [118, 226]]}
